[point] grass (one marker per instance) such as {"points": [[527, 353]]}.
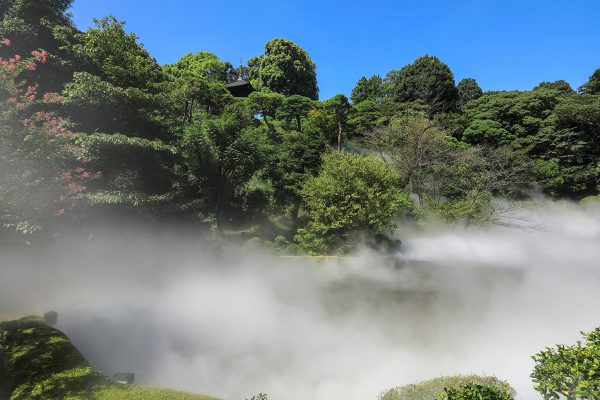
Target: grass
{"points": [[38, 361], [131, 392]]}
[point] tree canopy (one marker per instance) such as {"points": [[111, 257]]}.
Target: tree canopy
{"points": [[429, 80], [287, 69]]}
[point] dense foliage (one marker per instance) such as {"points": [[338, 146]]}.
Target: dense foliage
{"points": [[569, 371], [92, 126]]}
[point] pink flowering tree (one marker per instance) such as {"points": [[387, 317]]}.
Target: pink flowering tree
{"points": [[42, 170]]}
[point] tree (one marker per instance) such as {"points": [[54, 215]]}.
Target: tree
{"points": [[34, 25], [468, 90], [560, 85], [364, 117], [429, 80], [510, 118], [29, 24], [266, 104], [43, 171], [198, 81], [340, 107], [298, 156], [353, 193], [592, 86], [450, 178], [296, 107], [371, 89], [287, 69], [222, 154], [114, 55], [410, 144], [96, 105], [574, 144], [569, 371]]}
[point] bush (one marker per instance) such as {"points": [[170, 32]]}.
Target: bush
{"points": [[475, 391], [572, 371], [433, 388], [353, 193]]}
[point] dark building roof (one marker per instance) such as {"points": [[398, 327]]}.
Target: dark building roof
{"points": [[240, 88]]}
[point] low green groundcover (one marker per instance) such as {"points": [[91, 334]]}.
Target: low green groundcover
{"points": [[38, 361]]}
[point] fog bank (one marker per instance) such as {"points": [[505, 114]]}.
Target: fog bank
{"points": [[231, 324]]}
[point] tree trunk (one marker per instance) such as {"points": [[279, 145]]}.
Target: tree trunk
{"points": [[191, 111], [295, 211], [299, 123], [185, 112], [339, 137]]}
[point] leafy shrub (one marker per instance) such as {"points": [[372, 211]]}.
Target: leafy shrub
{"points": [[569, 371], [475, 391], [432, 388]]}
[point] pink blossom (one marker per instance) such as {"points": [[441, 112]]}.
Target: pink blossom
{"points": [[6, 42], [40, 56]]}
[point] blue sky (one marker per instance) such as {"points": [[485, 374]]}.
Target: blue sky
{"points": [[504, 44]]}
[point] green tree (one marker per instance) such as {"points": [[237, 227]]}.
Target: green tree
{"points": [[96, 105], [372, 89], [340, 108], [569, 371], [592, 86], [429, 80], [510, 118], [222, 154], [43, 175], [298, 156], [114, 55], [198, 81], [34, 25], [560, 85], [287, 69], [296, 107], [266, 104], [29, 23], [449, 177], [468, 90], [574, 144], [353, 193], [364, 117], [410, 145]]}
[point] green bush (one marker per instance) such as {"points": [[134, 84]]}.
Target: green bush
{"points": [[572, 372], [431, 389], [475, 391]]}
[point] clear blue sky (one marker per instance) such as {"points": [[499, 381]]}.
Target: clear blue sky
{"points": [[504, 44]]}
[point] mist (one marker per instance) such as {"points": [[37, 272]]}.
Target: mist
{"points": [[235, 322]]}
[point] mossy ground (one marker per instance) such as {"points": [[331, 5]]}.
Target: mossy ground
{"points": [[38, 361]]}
